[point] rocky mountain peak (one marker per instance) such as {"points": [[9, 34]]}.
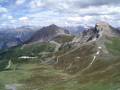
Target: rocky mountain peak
{"points": [[47, 33], [100, 31], [102, 25], [52, 26], [104, 28]]}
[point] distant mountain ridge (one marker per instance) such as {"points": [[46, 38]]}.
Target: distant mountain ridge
{"points": [[10, 37], [28, 34], [75, 30]]}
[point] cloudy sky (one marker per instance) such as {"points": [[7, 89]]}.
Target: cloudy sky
{"points": [[60, 12]]}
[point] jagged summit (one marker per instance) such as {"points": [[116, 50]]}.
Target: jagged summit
{"points": [[101, 23], [52, 26], [107, 30], [100, 31], [104, 28]]}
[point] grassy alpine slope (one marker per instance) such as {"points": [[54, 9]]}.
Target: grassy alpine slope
{"points": [[101, 76]]}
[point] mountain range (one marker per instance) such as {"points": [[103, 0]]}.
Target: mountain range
{"points": [[54, 59]]}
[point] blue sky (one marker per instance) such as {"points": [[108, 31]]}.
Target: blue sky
{"points": [[60, 12]]}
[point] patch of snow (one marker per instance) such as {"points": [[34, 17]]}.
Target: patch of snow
{"points": [[98, 52], [93, 60], [78, 57], [12, 86], [9, 64], [99, 47], [94, 39], [27, 57]]}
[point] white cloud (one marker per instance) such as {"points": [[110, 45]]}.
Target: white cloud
{"points": [[6, 17], [18, 2], [13, 21], [3, 10], [83, 20], [36, 4], [24, 20], [77, 19], [10, 17], [64, 12]]}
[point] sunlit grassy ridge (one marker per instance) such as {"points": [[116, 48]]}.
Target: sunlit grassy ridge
{"points": [[63, 38], [114, 46], [30, 50]]}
